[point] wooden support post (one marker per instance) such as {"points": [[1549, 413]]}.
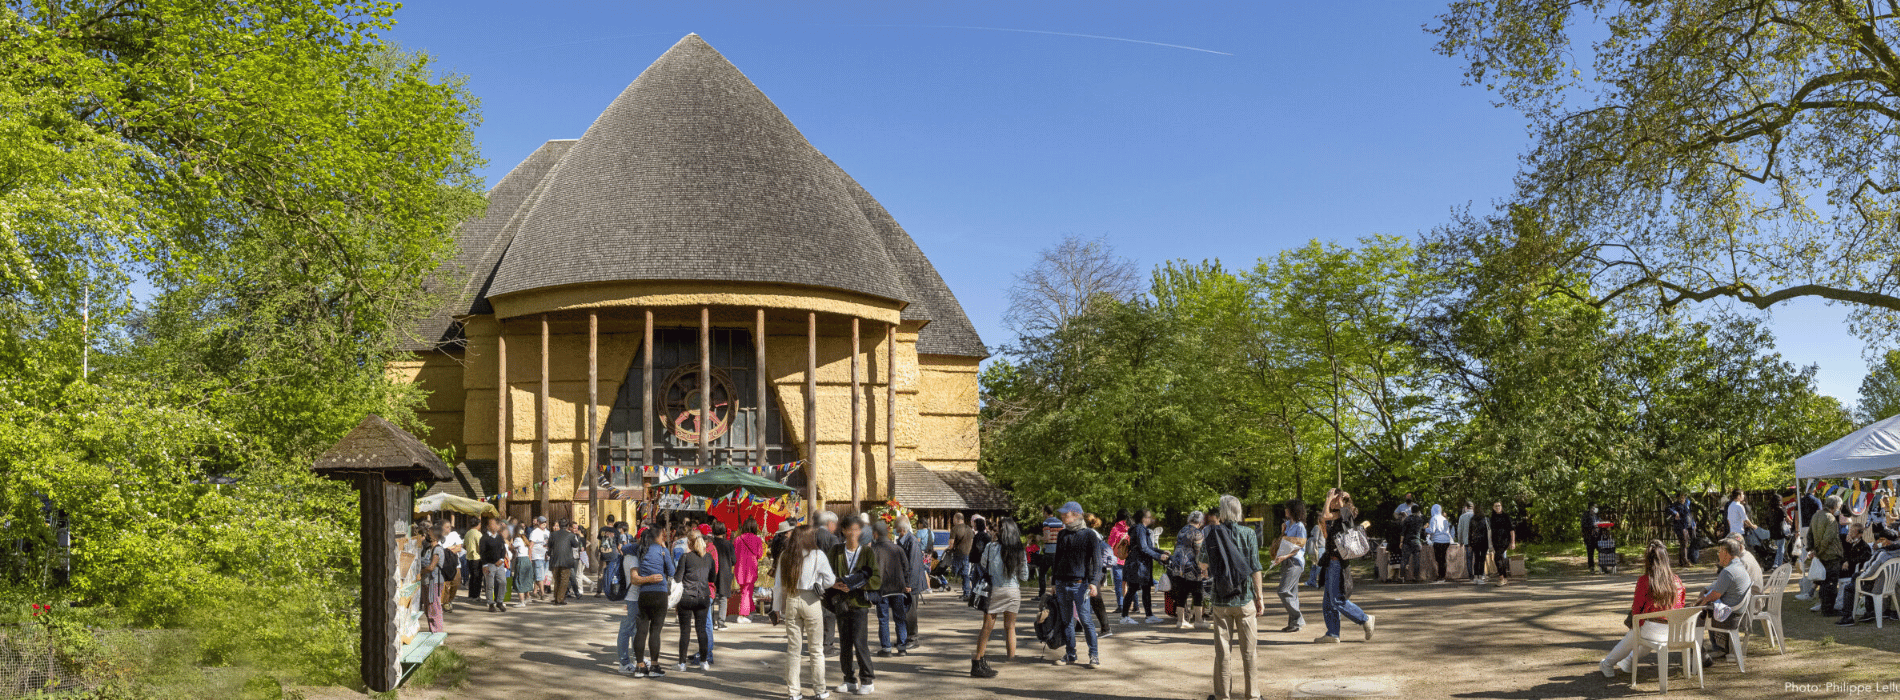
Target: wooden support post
{"points": [[811, 412], [502, 435], [590, 469], [764, 400], [857, 421], [706, 413], [384, 509], [541, 455], [646, 405], [890, 410]]}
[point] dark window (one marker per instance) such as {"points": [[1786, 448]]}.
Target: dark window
{"points": [[676, 379]]}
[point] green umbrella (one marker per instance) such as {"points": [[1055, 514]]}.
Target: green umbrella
{"points": [[722, 481]]}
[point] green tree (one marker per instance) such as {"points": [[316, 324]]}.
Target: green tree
{"points": [[282, 179], [1696, 150], [1880, 389]]}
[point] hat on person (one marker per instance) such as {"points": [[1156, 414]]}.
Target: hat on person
{"points": [[1070, 507], [541, 519], [784, 526]]}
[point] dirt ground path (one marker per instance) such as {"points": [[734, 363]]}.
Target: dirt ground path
{"points": [[1537, 638]]}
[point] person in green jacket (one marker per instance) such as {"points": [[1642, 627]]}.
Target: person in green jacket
{"points": [[858, 580]]}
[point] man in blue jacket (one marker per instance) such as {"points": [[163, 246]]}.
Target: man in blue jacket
{"points": [[1076, 568]]}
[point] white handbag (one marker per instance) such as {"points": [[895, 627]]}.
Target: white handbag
{"points": [[673, 594]]}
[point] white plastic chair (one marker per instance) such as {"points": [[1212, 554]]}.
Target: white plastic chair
{"points": [[1767, 610], [1684, 637], [1737, 637], [1889, 573]]}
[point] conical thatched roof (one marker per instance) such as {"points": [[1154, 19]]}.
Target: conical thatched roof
{"points": [[693, 174]]}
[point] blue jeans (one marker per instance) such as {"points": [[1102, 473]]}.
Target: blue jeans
{"points": [[706, 630], [1121, 606], [1072, 597], [627, 625], [893, 607], [960, 565], [1332, 606]]}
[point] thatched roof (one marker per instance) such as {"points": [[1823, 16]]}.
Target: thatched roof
{"points": [[378, 446], [693, 174], [977, 491], [919, 488]]}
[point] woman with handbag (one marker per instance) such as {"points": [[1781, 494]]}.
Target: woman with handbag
{"points": [[802, 574], [1007, 561], [1184, 571], [694, 574], [655, 569], [1336, 527], [1657, 590]]}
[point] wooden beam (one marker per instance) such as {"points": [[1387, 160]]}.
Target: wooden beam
{"points": [[593, 428], [541, 455], [857, 420], [890, 410], [764, 399], [503, 467], [706, 414], [646, 404], [811, 412]]}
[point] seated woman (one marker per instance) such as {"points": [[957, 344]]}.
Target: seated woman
{"points": [[1886, 548], [1657, 590]]}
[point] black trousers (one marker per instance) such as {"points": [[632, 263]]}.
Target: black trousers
{"points": [[1828, 587], [691, 621], [646, 632], [1143, 586], [1438, 554], [910, 617], [1682, 539], [854, 648]]}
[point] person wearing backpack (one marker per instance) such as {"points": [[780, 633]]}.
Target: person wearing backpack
{"points": [[1335, 525], [695, 573], [1230, 556]]}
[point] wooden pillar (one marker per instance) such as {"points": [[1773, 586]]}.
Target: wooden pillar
{"points": [[541, 429], [384, 511], [890, 410], [503, 468], [857, 421], [593, 427], [646, 402], [706, 414], [811, 412], [764, 401]]}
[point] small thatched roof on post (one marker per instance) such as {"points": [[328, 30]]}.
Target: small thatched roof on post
{"points": [[377, 446], [918, 488], [976, 490]]}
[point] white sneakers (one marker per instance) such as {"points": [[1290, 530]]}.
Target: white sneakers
{"points": [[1370, 619], [1152, 620], [866, 688], [1129, 620]]}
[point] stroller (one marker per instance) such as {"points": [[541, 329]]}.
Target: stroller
{"points": [[1606, 547]]}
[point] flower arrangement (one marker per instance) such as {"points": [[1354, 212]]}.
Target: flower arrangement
{"points": [[890, 511]]}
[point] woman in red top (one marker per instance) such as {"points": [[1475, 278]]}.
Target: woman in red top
{"points": [[1657, 590]]}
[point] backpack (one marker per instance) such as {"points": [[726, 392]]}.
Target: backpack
{"points": [[1047, 629], [1121, 548], [1225, 574]]}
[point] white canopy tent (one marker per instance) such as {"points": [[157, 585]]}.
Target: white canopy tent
{"points": [[1872, 452]]}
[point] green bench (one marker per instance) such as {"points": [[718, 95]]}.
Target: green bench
{"points": [[411, 656]]}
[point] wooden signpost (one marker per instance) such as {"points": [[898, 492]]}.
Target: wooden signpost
{"points": [[385, 463]]}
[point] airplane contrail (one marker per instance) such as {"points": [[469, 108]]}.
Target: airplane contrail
{"points": [[1069, 34]]}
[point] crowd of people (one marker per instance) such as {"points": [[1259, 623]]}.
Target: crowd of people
{"points": [[828, 577]]}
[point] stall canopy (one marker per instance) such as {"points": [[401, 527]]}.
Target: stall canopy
{"points": [[437, 502], [1872, 452]]}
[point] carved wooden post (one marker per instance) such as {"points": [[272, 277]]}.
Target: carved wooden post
{"points": [[857, 421], [765, 403], [811, 411], [890, 410], [706, 413], [503, 465], [384, 462], [541, 456], [646, 407], [593, 430]]}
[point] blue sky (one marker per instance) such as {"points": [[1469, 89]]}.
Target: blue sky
{"points": [[990, 130]]}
